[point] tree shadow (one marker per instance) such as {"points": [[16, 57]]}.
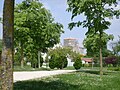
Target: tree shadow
{"points": [[45, 85], [96, 72]]}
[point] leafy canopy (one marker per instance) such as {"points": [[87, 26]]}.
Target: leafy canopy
{"points": [[34, 21], [91, 43], [116, 47], [35, 29], [95, 12]]}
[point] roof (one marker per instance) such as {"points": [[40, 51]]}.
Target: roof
{"points": [[70, 39], [87, 59]]}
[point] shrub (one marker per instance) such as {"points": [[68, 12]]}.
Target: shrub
{"points": [[58, 58], [58, 61], [61, 62], [52, 62], [111, 60], [78, 63], [118, 60]]}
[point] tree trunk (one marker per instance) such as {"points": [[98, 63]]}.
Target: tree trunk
{"points": [[101, 66], [6, 72], [39, 59], [22, 57]]}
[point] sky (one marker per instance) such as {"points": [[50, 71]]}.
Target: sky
{"points": [[59, 13]]}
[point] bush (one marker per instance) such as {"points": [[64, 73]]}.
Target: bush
{"points": [[52, 62], [111, 60], [59, 62], [118, 61], [78, 63], [58, 58]]}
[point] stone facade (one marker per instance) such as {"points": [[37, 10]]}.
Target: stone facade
{"points": [[74, 44]]}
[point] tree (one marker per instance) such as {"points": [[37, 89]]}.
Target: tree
{"points": [[78, 63], [21, 33], [6, 72], [0, 44], [116, 47], [37, 25], [95, 12], [91, 43]]}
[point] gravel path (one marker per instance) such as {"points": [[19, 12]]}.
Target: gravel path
{"points": [[21, 76]]}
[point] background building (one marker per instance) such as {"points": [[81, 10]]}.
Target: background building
{"points": [[74, 44]]}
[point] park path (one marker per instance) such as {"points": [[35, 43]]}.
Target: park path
{"points": [[27, 75]]}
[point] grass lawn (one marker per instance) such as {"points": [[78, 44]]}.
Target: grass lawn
{"points": [[80, 80], [28, 68]]}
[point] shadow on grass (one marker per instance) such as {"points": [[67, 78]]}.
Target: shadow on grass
{"points": [[44, 85], [97, 72]]}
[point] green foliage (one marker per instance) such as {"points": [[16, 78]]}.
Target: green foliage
{"points": [[52, 62], [17, 58], [0, 45], [116, 47], [114, 68], [62, 62], [118, 60], [0, 19], [92, 44], [35, 29], [58, 58], [95, 12], [78, 63]]}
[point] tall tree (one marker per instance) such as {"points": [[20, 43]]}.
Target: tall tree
{"points": [[36, 25], [95, 12], [91, 43], [6, 73], [21, 33]]}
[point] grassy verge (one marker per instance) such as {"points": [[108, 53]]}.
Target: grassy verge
{"points": [[80, 80], [28, 68], [114, 68], [69, 68]]}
